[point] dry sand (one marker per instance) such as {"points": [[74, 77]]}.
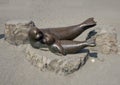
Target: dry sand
{"points": [[16, 70]]}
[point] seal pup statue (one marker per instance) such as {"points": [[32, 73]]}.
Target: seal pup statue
{"points": [[36, 35], [63, 47]]}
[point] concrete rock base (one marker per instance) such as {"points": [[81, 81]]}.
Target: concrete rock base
{"points": [[16, 31], [63, 65]]}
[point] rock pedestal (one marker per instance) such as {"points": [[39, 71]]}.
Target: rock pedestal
{"points": [[16, 32], [63, 65], [119, 49]]}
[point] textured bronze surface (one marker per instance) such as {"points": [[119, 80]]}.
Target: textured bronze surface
{"points": [[67, 46], [37, 36]]}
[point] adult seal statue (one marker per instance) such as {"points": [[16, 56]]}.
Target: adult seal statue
{"points": [[37, 36]]}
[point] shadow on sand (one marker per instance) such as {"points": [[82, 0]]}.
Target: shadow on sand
{"points": [[94, 55], [91, 34], [2, 36], [91, 54]]}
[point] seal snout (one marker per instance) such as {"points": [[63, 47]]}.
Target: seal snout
{"points": [[35, 34]]}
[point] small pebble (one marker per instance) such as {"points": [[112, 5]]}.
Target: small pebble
{"points": [[92, 60]]}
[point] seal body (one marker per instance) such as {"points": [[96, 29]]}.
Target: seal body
{"points": [[70, 47], [38, 36], [70, 32]]}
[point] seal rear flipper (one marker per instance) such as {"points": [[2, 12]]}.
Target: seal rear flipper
{"points": [[88, 23], [91, 42]]}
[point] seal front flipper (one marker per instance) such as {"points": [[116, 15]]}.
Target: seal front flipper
{"points": [[60, 48], [57, 48]]}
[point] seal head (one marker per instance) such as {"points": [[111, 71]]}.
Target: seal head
{"points": [[35, 34], [35, 38]]}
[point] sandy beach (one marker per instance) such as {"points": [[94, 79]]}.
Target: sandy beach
{"points": [[16, 70]]}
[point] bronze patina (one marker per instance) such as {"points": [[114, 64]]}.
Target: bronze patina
{"points": [[67, 46], [61, 39]]}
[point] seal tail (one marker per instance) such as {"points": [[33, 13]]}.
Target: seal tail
{"points": [[91, 42], [88, 23]]}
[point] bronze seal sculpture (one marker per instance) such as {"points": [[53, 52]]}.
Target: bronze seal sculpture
{"points": [[60, 39], [37, 36], [67, 46]]}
